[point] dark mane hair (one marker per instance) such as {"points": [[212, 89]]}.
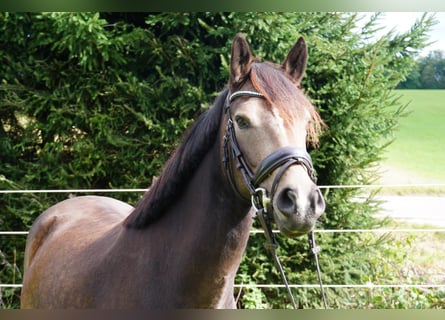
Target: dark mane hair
{"points": [[180, 167]]}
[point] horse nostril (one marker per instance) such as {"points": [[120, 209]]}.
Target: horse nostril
{"points": [[319, 202], [287, 201]]}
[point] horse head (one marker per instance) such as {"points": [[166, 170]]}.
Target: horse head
{"points": [[269, 123]]}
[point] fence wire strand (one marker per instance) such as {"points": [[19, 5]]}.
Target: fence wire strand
{"points": [[256, 231]]}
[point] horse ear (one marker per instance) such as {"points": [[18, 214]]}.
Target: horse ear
{"points": [[296, 60], [240, 62]]}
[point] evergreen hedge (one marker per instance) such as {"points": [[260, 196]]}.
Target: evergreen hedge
{"points": [[99, 100]]}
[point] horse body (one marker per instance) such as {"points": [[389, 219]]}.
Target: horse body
{"points": [[182, 244], [64, 272], [91, 269]]}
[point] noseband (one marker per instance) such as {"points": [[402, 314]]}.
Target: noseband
{"points": [[280, 159]]}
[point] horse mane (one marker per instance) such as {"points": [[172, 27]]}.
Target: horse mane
{"points": [[180, 167]]}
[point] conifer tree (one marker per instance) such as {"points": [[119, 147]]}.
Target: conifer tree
{"points": [[99, 100]]}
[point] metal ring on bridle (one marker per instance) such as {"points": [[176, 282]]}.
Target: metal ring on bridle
{"points": [[260, 200]]}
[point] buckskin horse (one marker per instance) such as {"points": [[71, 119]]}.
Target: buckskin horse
{"points": [[182, 244]]}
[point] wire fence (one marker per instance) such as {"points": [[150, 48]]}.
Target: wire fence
{"points": [[256, 231]]}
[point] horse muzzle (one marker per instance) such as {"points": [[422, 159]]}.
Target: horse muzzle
{"points": [[296, 213], [294, 199]]}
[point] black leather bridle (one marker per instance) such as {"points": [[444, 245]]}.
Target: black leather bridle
{"points": [[282, 158], [261, 198]]}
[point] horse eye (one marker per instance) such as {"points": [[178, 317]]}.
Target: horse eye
{"points": [[242, 122]]}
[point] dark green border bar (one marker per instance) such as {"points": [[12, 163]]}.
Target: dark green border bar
{"points": [[222, 5]]}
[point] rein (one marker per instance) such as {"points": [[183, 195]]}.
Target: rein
{"points": [[281, 159]]}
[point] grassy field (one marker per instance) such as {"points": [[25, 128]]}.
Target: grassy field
{"points": [[418, 153], [418, 156]]}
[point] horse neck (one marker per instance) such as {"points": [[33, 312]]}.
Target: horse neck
{"points": [[214, 216], [206, 232]]}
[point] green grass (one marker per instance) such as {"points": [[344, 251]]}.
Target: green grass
{"points": [[418, 153], [418, 156], [425, 253]]}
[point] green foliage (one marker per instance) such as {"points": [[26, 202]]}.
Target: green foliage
{"points": [[93, 100], [428, 73]]}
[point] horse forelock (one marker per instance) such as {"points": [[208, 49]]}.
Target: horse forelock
{"points": [[283, 93], [180, 167]]}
